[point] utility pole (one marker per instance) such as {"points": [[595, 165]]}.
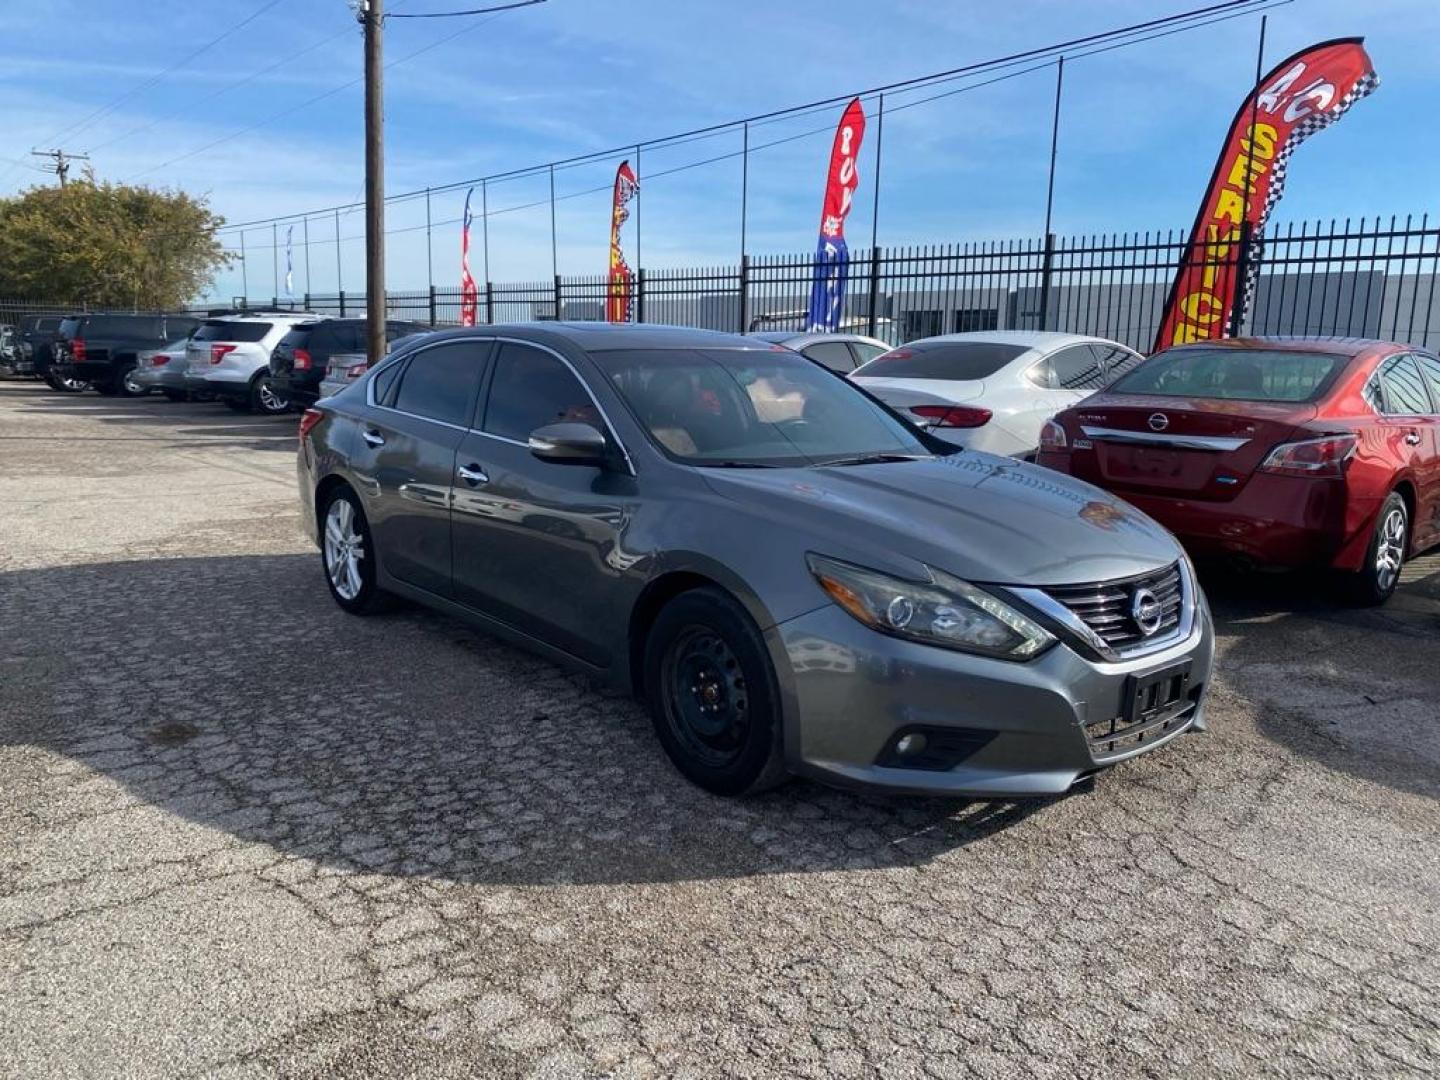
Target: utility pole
{"points": [[62, 160], [372, 17]]}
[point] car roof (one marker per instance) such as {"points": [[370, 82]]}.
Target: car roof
{"points": [[798, 339], [599, 336], [1345, 346], [1043, 340]]}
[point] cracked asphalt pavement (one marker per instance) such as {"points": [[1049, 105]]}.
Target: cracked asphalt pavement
{"points": [[243, 834]]}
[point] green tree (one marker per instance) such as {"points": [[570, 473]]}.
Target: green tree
{"points": [[108, 245]]}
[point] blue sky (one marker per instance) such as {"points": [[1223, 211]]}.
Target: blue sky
{"points": [[1141, 125]]}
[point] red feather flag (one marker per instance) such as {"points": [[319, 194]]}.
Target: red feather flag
{"points": [[620, 295]]}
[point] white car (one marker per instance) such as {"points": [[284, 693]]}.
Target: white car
{"points": [[229, 357], [993, 390]]}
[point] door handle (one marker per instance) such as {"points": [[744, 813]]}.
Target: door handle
{"points": [[373, 437], [472, 474], [1412, 438]]}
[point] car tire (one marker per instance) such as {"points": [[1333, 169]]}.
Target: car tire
{"points": [[1384, 555], [175, 395], [713, 696], [129, 386], [264, 399], [352, 582]]}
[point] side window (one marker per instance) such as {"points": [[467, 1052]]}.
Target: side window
{"points": [[833, 354], [440, 383], [385, 381], [865, 352], [1403, 387], [1116, 362], [1076, 368], [530, 389], [1430, 368]]}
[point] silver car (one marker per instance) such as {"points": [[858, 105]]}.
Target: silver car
{"points": [[794, 579], [839, 352], [161, 369]]}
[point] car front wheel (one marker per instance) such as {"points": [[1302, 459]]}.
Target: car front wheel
{"points": [[130, 386], [1389, 544], [712, 694]]}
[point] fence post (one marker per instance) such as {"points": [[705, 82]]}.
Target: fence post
{"points": [[1242, 274], [307, 301], [640, 295], [1046, 265], [557, 297], [489, 303], [874, 288], [432, 305], [342, 303], [744, 292]]}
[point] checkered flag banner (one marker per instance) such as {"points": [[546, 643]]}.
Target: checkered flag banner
{"points": [[1215, 281]]}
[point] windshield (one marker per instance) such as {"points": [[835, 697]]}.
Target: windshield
{"points": [[957, 361], [753, 407], [232, 331], [1283, 375]]}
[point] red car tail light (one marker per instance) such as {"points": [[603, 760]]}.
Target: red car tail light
{"points": [[302, 360], [1052, 436], [77, 348], [219, 352], [159, 359], [953, 416], [308, 419], [1326, 456]]}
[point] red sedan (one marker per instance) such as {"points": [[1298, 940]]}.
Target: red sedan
{"points": [[1282, 452]]}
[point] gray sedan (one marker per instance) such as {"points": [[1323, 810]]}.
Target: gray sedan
{"points": [[794, 579]]}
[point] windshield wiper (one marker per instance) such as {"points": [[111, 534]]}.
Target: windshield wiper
{"points": [[874, 459], [736, 465]]}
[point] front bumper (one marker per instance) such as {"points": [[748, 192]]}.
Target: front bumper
{"points": [[849, 691]]}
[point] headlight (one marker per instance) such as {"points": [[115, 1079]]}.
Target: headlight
{"points": [[944, 611]]}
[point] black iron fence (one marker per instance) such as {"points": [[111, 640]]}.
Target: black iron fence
{"points": [[1371, 278]]}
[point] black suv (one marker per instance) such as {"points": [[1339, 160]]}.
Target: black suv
{"points": [[36, 337], [103, 349], [302, 359]]}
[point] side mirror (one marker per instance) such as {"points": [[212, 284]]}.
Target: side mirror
{"points": [[570, 444]]}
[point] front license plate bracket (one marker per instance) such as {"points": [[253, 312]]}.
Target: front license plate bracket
{"points": [[1152, 693]]}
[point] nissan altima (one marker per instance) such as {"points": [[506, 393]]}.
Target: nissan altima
{"points": [[792, 577]]}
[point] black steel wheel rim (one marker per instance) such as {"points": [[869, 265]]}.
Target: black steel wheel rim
{"points": [[706, 702]]}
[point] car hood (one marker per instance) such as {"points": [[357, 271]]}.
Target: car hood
{"points": [[981, 517]]}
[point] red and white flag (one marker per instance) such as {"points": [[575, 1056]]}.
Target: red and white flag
{"points": [[469, 295]]}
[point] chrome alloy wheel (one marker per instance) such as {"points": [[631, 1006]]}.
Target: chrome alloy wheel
{"points": [[270, 401], [132, 384], [1390, 550], [344, 548]]}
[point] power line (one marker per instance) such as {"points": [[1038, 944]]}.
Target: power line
{"points": [[92, 117], [457, 14], [1135, 32], [303, 105], [62, 160]]}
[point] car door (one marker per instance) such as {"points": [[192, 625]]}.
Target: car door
{"points": [[1427, 466], [1406, 430], [537, 544], [404, 459]]}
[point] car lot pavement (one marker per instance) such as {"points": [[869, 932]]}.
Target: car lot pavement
{"points": [[243, 834]]}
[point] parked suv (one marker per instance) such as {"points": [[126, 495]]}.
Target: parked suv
{"points": [[230, 358], [103, 350], [37, 338], [301, 361]]}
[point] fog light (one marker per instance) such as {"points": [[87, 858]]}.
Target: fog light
{"points": [[910, 744]]}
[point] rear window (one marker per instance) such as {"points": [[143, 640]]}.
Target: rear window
{"points": [[950, 360], [296, 338], [1282, 375], [69, 326], [233, 331]]}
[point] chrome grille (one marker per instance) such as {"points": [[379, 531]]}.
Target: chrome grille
{"points": [[1107, 607]]}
